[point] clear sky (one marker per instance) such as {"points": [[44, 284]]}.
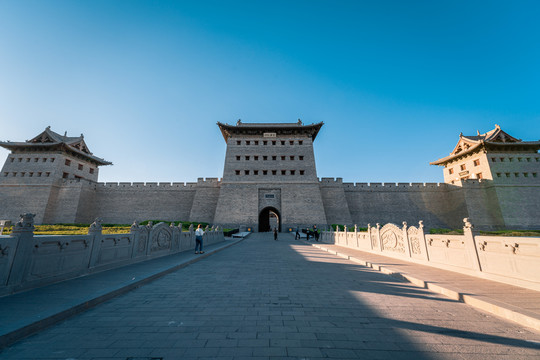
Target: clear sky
{"points": [[395, 82]]}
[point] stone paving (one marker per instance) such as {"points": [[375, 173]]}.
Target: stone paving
{"points": [[262, 299]]}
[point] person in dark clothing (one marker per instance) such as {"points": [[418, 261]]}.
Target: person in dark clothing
{"points": [[297, 236], [275, 234], [316, 232]]}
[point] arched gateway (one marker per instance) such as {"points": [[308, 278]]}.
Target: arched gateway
{"points": [[269, 218]]}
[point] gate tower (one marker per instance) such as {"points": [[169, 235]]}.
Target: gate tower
{"points": [[270, 172]]}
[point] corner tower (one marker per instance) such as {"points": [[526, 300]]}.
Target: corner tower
{"points": [[495, 156], [270, 172], [46, 175]]}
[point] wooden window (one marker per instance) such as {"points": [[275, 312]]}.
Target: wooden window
{"points": [[91, 170], [256, 142], [507, 174], [526, 174], [265, 172], [27, 159], [247, 157], [476, 162], [237, 157], [12, 159], [265, 157], [52, 159], [246, 172], [65, 175], [47, 174], [36, 159], [293, 172], [301, 158], [80, 167], [462, 167], [238, 142], [300, 142], [274, 157], [291, 142], [274, 172], [501, 159], [265, 142], [291, 157], [498, 174], [493, 159], [516, 174], [237, 172], [39, 174], [301, 172], [283, 158], [44, 159], [479, 176], [31, 174], [255, 172], [510, 159], [450, 171], [22, 174], [248, 142], [20, 159], [68, 162], [273, 143], [283, 172], [282, 142], [256, 158]]}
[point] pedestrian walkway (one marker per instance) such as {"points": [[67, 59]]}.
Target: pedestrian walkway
{"points": [[507, 301], [25, 313], [265, 299]]}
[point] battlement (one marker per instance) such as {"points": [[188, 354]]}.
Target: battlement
{"points": [[147, 185], [394, 186], [326, 180]]}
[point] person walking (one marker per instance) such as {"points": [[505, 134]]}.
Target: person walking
{"points": [[198, 240], [316, 232], [275, 234], [297, 236]]}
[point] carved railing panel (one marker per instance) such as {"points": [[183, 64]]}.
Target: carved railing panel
{"points": [[392, 238]]}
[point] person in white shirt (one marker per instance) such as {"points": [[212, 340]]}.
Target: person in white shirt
{"points": [[198, 240]]}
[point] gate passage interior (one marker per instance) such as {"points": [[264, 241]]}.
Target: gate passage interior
{"points": [[269, 218]]}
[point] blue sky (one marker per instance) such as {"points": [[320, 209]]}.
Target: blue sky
{"points": [[395, 82]]}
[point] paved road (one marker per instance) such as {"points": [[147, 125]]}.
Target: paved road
{"points": [[263, 299]]}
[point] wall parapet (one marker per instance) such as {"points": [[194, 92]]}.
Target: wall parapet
{"points": [[28, 261], [511, 260]]}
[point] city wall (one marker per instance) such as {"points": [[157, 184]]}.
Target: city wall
{"points": [[28, 261], [512, 260], [492, 205]]}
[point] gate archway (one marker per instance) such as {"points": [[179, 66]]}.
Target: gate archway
{"points": [[269, 217]]}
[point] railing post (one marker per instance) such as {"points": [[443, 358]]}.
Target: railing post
{"points": [[95, 231], [23, 233], [379, 240], [422, 240], [406, 240], [470, 244]]}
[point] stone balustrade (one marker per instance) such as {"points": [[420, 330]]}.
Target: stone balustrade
{"points": [[28, 260], [512, 260]]}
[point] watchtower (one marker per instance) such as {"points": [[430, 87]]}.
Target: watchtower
{"points": [[495, 156], [48, 157], [269, 172], [45, 176]]}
